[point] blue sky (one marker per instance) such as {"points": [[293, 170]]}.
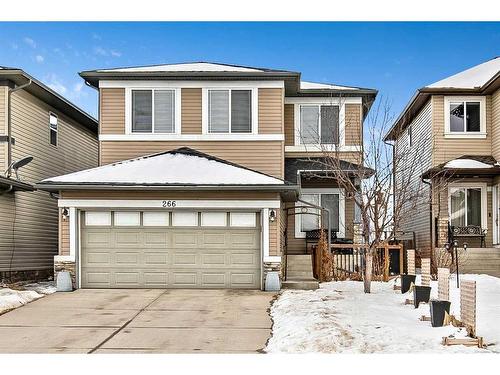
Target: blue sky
{"points": [[395, 58]]}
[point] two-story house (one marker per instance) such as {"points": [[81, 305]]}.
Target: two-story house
{"points": [[452, 127], [198, 162], [39, 127]]}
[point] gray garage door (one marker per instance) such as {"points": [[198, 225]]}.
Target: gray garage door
{"points": [[170, 250]]}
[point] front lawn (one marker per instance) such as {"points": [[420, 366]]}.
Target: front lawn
{"points": [[340, 318]]}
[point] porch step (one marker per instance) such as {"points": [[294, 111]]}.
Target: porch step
{"points": [[299, 274], [302, 284]]}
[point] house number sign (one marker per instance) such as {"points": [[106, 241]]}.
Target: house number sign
{"points": [[169, 204]]}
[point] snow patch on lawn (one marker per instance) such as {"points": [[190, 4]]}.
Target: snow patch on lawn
{"points": [[13, 298], [340, 318]]}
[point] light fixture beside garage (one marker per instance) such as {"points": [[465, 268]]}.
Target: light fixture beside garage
{"points": [[65, 213], [272, 216]]}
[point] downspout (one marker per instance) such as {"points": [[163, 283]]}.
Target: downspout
{"points": [[393, 186], [9, 123], [431, 223]]}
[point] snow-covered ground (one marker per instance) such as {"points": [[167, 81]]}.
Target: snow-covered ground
{"points": [[22, 294], [340, 318]]}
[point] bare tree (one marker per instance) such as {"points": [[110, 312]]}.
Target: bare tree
{"points": [[367, 177]]}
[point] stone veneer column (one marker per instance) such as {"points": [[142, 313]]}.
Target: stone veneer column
{"points": [[442, 231]]}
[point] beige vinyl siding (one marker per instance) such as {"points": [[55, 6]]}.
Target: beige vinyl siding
{"points": [[289, 119], [446, 149], [353, 125], [416, 160], [63, 235], [263, 156], [34, 215], [275, 236], [191, 111], [271, 111], [3, 127], [112, 111], [495, 124]]}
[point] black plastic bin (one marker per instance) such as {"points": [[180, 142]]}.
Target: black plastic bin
{"points": [[406, 281], [438, 309], [421, 294]]}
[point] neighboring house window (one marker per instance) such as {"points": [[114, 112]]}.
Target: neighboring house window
{"points": [[53, 129], [230, 111], [319, 124], [410, 136], [466, 206], [153, 111], [311, 220], [465, 116]]}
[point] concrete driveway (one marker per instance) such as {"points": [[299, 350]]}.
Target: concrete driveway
{"points": [[140, 321]]}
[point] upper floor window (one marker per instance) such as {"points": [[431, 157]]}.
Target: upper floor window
{"points": [[410, 136], [53, 129], [319, 124], [153, 111], [465, 116], [230, 111]]}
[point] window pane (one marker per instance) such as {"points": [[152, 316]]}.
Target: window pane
{"points": [[218, 109], [155, 219], [309, 220], [126, 219], [97, 218], [474, 206], [329, 124], [309, 124], [458, 207], [473, 117], [53, 137], [185, 219], [142, 104], [457, 117], [331, 202], [243, 219], [53, 121], [241, 111], [164, 111], [213, 219]]}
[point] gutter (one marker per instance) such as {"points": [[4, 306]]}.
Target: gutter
{"points": [[9, 123], [56, 187]]}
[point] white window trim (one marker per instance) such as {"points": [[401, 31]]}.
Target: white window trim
{"points": [[298, 218], [482, 115], [128, 112], [254, 110], [484, 199], [319, 102]]}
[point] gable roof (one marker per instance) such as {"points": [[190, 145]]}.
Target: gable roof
{"points": [[481, 79], [49, 96], [177, 168]]}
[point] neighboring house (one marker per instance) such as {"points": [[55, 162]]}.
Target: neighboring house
{"points": [[197, 164], [61, 138], [452, 127]]}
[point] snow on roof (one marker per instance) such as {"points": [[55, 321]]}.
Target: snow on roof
{"points": [[475, 77], [466, 164], [305, 85], [178, 167], [186, 67]]}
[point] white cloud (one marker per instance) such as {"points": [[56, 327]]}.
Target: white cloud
{"points": [[39, 59], [100, 51], [115, 53], [105, 52], [56, 84], [96, 36], [14, 46], [77, 87], [30, 42]]}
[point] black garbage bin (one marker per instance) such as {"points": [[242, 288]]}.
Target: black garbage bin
{"points": [[421, 294], [406, 281], [438, 309]]}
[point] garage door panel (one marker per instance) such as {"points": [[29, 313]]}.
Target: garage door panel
{"points": [[170, 257]]}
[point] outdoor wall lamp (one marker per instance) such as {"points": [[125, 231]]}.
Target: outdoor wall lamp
{"points": [[65, 213], [272, 216]]}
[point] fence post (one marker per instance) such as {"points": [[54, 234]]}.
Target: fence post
{"points": [[386, 261], [468, 306], [443, 284], [426, 271], [401, 260]]}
